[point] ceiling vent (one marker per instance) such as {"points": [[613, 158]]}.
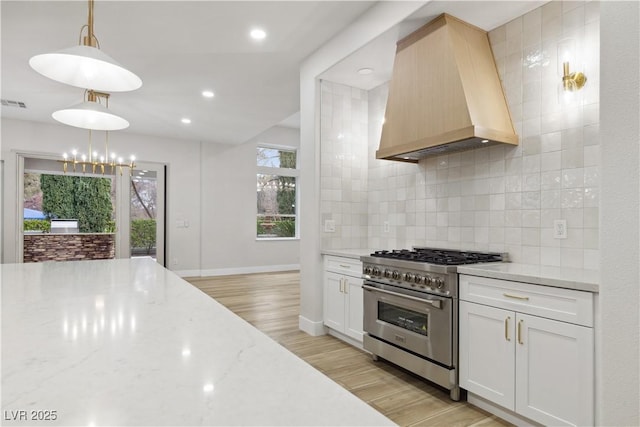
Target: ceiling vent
{"points": [[17, 104]]}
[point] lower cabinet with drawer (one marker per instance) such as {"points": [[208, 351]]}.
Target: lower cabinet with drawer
{"points": [[528, 349], [343, 296]]}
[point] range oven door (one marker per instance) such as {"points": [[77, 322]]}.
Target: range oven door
{"points": [[420, 324]]}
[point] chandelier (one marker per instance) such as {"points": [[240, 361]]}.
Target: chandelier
{"points": [[98, 163], [90, 121], [86, 66]]}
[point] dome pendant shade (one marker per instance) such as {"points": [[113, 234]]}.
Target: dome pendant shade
{"points": [[86, 67], [90, 115]]}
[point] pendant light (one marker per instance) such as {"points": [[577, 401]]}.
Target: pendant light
{"points": [[85, 65], [91, 114]]}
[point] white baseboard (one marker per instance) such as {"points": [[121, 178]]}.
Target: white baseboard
{"points": [[187, 273], [248, 270], [314, 329]]}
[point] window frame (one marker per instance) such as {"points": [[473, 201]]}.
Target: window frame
{"points": [[288, 172]]}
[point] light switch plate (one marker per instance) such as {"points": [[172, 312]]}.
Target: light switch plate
{"points": [[560, 229], [329, 226]]}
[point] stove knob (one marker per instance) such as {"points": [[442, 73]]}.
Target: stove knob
{"points": [[419, 279], [440, 283], [376, 271], [387, 273], [395, 274], [428, 280], [368, 270], [409, 277]]}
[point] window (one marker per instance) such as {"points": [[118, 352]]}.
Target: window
{"points": [[277, 194]]}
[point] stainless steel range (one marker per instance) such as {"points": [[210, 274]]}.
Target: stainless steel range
{"points": [[411, 309]]}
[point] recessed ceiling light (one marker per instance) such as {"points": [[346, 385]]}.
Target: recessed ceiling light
{"points": [[207, 94], [257, 34], [186, 121], [365, 71]]}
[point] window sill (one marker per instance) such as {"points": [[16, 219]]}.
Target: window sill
{"points": [[271, 239]]}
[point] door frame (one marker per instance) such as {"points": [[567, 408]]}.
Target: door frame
{"points": [[122, 208], [123, 211]]}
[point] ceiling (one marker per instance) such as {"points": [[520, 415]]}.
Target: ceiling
{"points": [[379, 53], [180, 48]]}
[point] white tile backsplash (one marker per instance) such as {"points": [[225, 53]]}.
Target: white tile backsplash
{"points": [[498, 198]]}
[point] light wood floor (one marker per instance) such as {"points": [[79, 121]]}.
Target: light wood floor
{"points": [[270, 302]]}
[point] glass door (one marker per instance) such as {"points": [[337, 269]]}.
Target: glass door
{"points": [[146, 201]]}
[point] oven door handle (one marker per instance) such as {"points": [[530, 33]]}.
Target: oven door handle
{"points": [[435, 303]]}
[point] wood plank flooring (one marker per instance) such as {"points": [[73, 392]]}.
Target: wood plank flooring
{"points": [[271, 301]]}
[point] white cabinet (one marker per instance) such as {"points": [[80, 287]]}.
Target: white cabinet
{"points": [[343, 296], [517, 354]]}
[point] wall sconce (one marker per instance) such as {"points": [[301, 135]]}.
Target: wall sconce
{"points": [[571, 82]]}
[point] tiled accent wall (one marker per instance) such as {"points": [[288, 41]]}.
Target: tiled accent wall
{"points": [[495, 198], [344, 163], [506, 198]]}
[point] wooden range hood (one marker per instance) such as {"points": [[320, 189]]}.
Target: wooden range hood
{"points": [[445, 94]]}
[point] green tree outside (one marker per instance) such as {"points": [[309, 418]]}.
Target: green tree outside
{"points": [[87, 199], [286, 195]]}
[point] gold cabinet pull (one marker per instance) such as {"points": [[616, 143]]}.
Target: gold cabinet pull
{"points": [[516, 297], [345, 266], [346, 286], [520, 332], [506, 328], [341, 285]]}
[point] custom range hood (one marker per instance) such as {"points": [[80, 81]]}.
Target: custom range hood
{"points": [[445, 94]]}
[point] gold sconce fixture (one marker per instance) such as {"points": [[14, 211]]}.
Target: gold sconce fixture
{"points": [[572, 82], [567, 52]]}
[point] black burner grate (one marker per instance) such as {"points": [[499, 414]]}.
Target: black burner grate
{"points": [[439, 256]]}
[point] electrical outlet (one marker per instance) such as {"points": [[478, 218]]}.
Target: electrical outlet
{"points": [[175, 261], [560, 229], [329, 226], [385, 226]]}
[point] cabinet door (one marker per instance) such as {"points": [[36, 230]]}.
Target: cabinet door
{"points": [[554, 371], [334, 301], [354, 304], [487, 359]]}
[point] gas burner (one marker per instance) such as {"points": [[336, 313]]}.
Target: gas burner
{"points": [[440, 256]]}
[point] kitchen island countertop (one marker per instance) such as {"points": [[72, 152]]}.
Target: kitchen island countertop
{"points": [[559, 277], [127, 342]]}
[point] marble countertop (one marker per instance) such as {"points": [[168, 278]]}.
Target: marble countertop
{"points": [[127, 342], [559, 277], [354, 253]]}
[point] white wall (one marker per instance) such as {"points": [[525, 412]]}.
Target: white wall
{"points": [[375, 21], [182, 158], [212, 187], [229, 209], [618, 373]]}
